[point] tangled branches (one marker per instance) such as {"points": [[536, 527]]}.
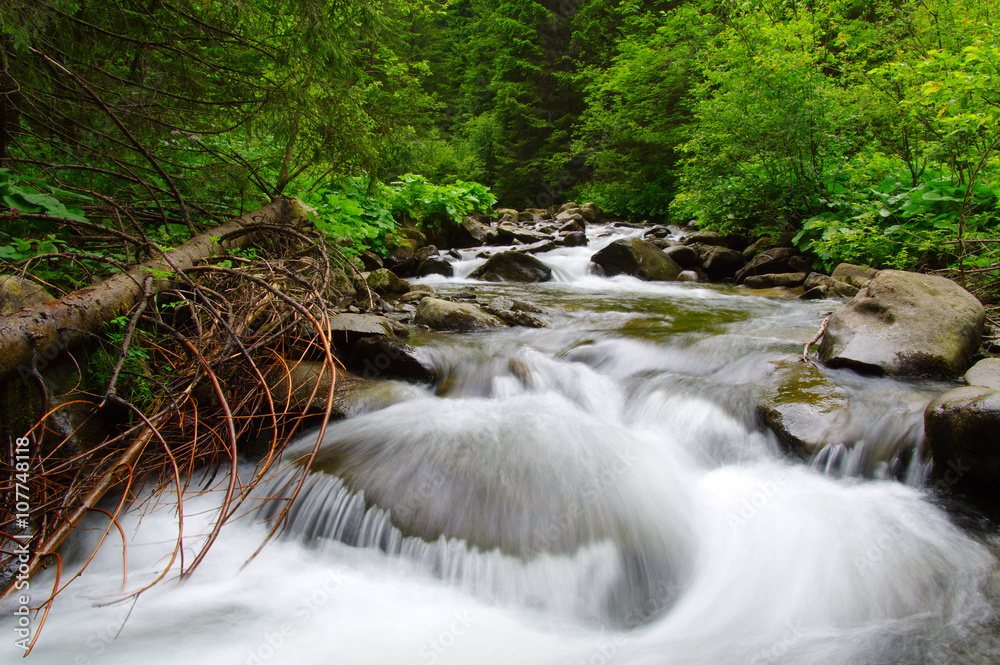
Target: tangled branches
{"points": [[190, 378]]}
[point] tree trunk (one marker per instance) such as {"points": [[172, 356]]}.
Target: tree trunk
{"points": [[56, 326]]}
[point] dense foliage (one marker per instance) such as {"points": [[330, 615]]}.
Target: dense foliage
{"points": [[864, 129]]}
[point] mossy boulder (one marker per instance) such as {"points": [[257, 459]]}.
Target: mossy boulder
{"points": [[639, 258], [440, 314], [512, 267], [803, 407], [384, 281], [906, 324]]}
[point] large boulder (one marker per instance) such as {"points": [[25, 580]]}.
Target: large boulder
{"points": [[905, 324], [962, 428], [720, 262], [775, 260], [986, 373], [575, 239], [472, 233], [384, 282], [685, 256], [347, 328], [711, 238], [818, 285], [858, 276], [512, 267], [509, 232], [440, 314], [592, 212], [802, 407], [634, 256], [435, 266]]}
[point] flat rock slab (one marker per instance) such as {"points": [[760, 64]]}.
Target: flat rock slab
{"points": [[802, 406], [905, 324], [963, 432]]}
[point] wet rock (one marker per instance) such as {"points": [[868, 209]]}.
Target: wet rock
{"points": [[538, 247], [415, 296], [962, 431], [472, 233], [786, 279], [389, 358], [401, 256], [346, 328], [575, 239], [453, 316], [858, 276], [514, 318], [985, 373], [688, 276], [710, 238], [905, 324], [657, 232], [384, 281], [775, 260], [634, 256], [305, 388], [369, 260], [510, 232], [512, 267], [818, 285], [592, 212], [802, 406], [571, 226], [686, 257], [436, 266], [720, 262], [507, 214], [424, 253]]}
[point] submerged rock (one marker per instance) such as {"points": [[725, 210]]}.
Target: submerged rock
{"points": [[440, 314], [802, 406], [512, 267], [636, 257], [905, 324]]}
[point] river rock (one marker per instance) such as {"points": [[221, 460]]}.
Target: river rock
{"points": [[818, 285], [384, 281], [537, 248], [436, 266], [685, 256], [512, 267], [592, 212], [369, 260], [633, 256], [472, 233], [297, 387], [575, 239], [858, 276], [963, 432], [689, 276], [710, 238], [390, 358], [720, 262], [905, 324], [346, 328], [802, 406], [571, 226], [785, 279], [985, 373], [440, 314], [509, 232], [19, 292], [775, 260], [507, 214]]}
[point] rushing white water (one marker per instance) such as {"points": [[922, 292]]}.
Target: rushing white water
{"points": [[596, 491]]}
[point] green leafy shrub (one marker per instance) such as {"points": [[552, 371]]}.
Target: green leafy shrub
{"points": [[414, 198]]}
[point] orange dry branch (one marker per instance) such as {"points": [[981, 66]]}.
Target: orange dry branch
{"points": [[217, 331]]}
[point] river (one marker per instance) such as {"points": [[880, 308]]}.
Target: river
{"points": [[596, 491]]}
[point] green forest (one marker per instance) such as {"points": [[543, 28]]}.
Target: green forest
{"points": [[861, 130]]}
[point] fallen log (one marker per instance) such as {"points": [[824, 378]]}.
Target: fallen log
{"points": [[54, 327]]}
